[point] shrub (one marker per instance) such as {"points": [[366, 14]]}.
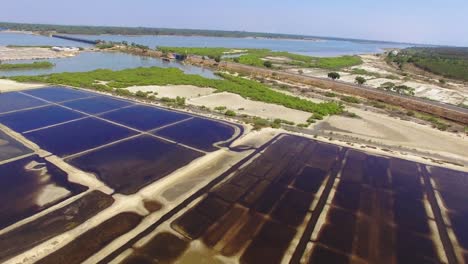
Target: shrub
{"points": [[267, 64], [180, 101], [330, 94], [350, 99], [334, 75], [260, 123], [141, 94], [230, 113], [220, 108], [360, 80]]}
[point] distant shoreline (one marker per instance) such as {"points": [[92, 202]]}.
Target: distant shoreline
{"points": [[147, 31]]}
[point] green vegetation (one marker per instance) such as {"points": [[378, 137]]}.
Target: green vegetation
{"points": [[282, 121], [230, 113], [220, 108], [330, 94], [27, 66], [207, 52], [378, 104], [164, 76], [268, 64], [399, 89], [449, 62], [350, 114], [360, 80], [462, 105], [350, 99], [436, 122], [177, 102], [365, 72], [256, 57], [334, 75]]}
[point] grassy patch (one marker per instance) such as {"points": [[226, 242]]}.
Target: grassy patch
{"points": [[350, 99], [27, 66], [208, 52], [365, 72], [171, 76], [256, 57]]}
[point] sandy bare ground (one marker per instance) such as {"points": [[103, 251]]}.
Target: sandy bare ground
{"points": [[172, 91], [391, 131], [455, 95], [9, 86], [31, 53], [244, 106]]}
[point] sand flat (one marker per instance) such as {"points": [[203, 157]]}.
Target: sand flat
{"points": [[172, 91], [9, 86], [249, 107], [32, 53], [388, 130]]}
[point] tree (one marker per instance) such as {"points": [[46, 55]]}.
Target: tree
{"points": [[217, 59], [360, 80], [334, 75], [267, 64], [403, 89], [388, 86]]}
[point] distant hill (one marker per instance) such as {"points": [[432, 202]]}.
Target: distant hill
{"points": [[101, 30]]}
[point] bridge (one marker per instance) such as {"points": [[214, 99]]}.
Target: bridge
{"points": [[87, 41]]}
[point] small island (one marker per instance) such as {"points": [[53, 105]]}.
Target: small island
{"points": [[27, 66]]}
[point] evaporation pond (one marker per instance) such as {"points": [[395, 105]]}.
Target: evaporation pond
{"points": [[58, 94], [78, 136], [16, 101], [10, 148], [26, 120], [129, 165], [30, 185], [198, 132], [97, 105], [144, 117]]}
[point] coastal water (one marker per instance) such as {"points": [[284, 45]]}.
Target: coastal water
{"points": [[88, 61], [319, 47], [21, 39]]}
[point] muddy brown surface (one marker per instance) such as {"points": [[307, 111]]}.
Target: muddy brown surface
{"points": [[93, 240], [163, 248], [30, 185], [62, 220]]}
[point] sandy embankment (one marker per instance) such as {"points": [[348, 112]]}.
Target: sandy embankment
{"points": [[32, 53], [396, 132], [172, 91], [206, 97], [371, 63], [9, 86], [244, 106]]}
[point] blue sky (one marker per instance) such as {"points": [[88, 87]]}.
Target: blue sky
{"points": [[431, 21]]}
